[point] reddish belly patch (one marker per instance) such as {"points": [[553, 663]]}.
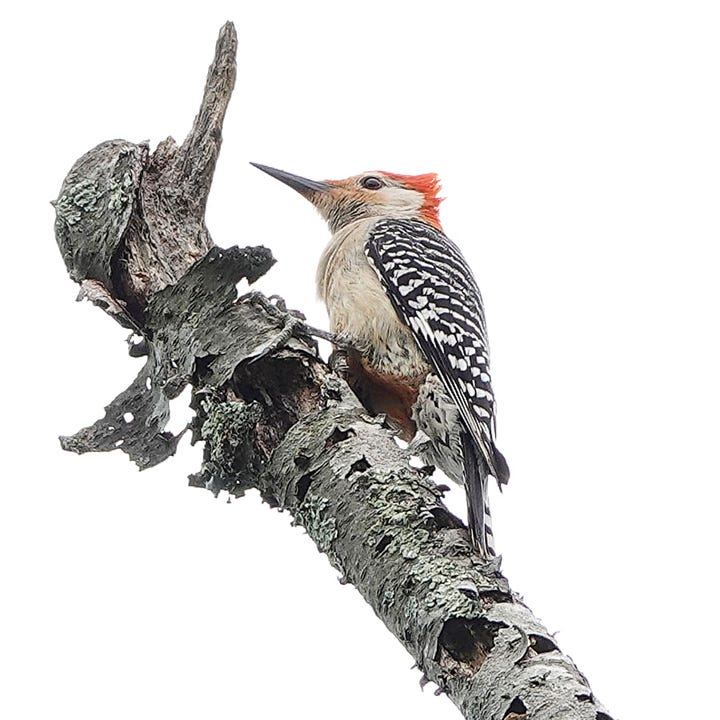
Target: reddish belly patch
{"points": [[393, 395]]}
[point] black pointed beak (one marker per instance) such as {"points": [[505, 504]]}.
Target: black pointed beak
{"points": [[302, 185]]}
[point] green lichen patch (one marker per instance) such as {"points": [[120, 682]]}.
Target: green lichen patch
{"points": [[230, 460], [321, 526], [119, 192], [81, 198], [94, 207]]}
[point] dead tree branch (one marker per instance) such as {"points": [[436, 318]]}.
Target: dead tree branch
{"points": [[130, 226]]}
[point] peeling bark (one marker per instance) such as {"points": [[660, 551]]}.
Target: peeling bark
{"points": [[273, 416]]}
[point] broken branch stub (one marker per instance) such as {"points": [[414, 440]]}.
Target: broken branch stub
{"points": [[135, 221], [130, 226]]}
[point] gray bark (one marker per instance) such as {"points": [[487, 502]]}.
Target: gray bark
{"points": [[273, 416]]}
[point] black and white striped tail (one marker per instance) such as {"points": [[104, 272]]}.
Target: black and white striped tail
{"points": [[476, 489]]}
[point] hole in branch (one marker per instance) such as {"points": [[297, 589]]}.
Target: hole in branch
{"points": [[542, 644], [203, 365], [337, 436], [444, 518], [468, 640], [516, 710], [382, 545], [358, 466], [302, 461], [302, 487]]}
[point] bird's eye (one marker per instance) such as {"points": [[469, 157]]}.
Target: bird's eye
{"points": [[371, 183]]}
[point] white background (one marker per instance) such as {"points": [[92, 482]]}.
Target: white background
{"points": [[579, 147]]}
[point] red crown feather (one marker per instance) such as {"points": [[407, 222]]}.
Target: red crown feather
{"points": [[429, 185]]}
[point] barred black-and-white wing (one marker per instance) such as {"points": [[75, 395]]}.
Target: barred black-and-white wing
{"points": [[432, 288]]}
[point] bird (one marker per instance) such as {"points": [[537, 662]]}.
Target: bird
{"points": [[403, 299]]}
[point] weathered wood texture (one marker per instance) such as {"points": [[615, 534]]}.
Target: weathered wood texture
{"points": [[272, 415]]}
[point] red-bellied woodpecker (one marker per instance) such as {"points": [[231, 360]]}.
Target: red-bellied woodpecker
{"points": [[400, 294]]}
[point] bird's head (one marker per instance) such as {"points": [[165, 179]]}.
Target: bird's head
{"points": [[371, 194]]}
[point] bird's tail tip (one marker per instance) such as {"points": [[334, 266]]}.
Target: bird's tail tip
{"points": [[476, 489]]}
